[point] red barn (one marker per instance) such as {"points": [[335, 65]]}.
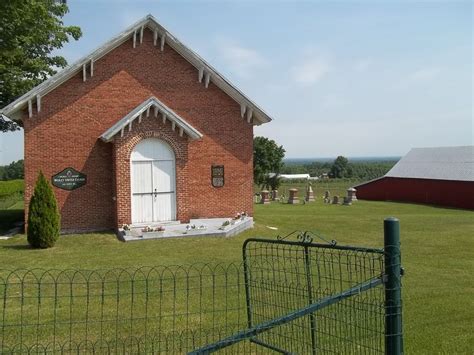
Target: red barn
{"points": [[437, 176], [142, 130]]}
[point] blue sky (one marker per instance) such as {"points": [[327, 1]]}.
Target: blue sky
{"points": [[354, 78]]}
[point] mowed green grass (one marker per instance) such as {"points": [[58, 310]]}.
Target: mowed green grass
{"points": [[437, 254]]}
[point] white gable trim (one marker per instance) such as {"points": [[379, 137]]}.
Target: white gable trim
{"points": [[144, 109], [204, 70]]}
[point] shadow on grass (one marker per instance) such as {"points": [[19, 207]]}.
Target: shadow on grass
{"points": [[8, 218], [18, 247]]}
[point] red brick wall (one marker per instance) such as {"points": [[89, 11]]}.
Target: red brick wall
{"points": [[458, 194], [65, 133]]}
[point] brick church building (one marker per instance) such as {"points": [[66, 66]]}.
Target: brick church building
{"points": [[141, 130]]}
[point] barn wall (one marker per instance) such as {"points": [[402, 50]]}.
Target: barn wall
{"points": [[458, 194]]}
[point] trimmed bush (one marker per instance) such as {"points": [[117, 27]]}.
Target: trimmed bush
{"points": [[43, 216]]}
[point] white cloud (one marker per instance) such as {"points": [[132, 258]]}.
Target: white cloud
{"points": [[310, 70], [424, 74], [362, 65], [243, 61]]}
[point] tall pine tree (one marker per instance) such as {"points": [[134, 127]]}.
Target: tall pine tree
{"points": [[43, 216]]}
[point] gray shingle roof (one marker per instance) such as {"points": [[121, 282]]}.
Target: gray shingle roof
{"points": [[441, 163]]}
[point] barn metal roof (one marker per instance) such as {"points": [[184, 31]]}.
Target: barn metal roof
{"points": [[440, 163], [205, 73]]}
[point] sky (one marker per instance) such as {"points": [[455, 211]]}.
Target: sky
{"points": [[352, 78]]}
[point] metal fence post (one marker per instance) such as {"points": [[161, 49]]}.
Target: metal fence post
{"points": [[393, 292], [309, 284]]}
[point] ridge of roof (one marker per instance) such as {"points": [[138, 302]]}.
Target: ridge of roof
{"points": [[145, 106], [248, 108]]}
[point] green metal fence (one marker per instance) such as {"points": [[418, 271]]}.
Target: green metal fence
{"points": [[146, 310], [288, 296]]}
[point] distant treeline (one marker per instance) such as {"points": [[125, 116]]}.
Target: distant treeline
{"points": [[12, 171], [364, 170]]}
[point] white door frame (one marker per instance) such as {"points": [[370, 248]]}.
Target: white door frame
{"points": [[152, 151]]}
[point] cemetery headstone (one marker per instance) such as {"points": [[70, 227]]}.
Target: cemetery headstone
{"points": [[351, 194], [309, 194], [327, 197], [293, 198], [265, 197]]}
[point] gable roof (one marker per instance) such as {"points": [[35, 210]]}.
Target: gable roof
{"points": [[441, 163], [205, 72], [145, 107]]}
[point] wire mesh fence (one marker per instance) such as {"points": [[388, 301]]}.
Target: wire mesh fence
{"points": [[295, 297], [286, 276], [146, 310]]}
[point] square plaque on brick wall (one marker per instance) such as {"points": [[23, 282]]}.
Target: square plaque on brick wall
{"points": [[217, 175]]}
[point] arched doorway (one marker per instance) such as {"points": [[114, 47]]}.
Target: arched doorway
{"points": [[153, 182]]}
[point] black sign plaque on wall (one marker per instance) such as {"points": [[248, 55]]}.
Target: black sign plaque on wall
{"points": [[69, 179], [217, 175]]}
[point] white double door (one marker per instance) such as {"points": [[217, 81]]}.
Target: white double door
{"points": [[153, 191]]}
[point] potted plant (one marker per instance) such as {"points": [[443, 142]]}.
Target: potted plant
{"points": [[224, 225], [153, 232], [126, 230]]}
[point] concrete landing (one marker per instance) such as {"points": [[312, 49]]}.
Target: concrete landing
{"points": [[205, 227]]}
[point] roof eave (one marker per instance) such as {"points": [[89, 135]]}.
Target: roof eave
{"points": [[12, 110], [109, 134]]}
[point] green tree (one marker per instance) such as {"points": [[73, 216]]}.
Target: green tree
{"points": [[339, 168], [272, 182], [12, 171], [267, 158], [43, 216], [30, 30]]}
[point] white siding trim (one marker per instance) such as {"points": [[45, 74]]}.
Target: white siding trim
{"points": [[138, 111], [13, 109]]}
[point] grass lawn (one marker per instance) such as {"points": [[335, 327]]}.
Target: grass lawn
{"points": [[437, 253]]}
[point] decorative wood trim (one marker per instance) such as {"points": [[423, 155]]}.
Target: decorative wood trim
{"points": [[180, 131], [84, 73], [139, 113], [200, 74], [30, 109], [121, 132], [92, 67], [242, 110], [162, 41], [130, 125], [141, 35], [13, 110], [207, 79], [155, 37], [140, 118], [155, 111], [38, 103], [148, 111], [249, 115]]}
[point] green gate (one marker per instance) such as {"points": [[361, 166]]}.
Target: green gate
{"points": [[286, 296], [307, 298]]}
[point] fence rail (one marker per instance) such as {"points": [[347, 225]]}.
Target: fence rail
{"points": [[286, 297], [149, 309]]}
